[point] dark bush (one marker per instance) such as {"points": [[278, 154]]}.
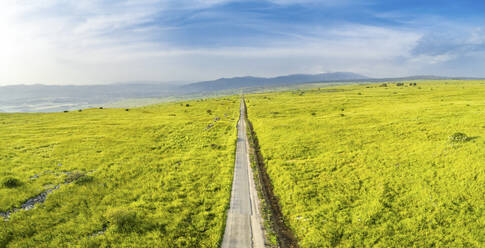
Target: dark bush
{"points": [[124, 220], [74, 176], [187, 105], [215, 146], [65, 111], [383, 85], [80, 110], [11, 182], [313, 113], [400, 84], [84, 179], [127, 109], [209, 111], [100, 107]]}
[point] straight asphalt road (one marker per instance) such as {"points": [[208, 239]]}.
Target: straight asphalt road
{"points": [[244, 222]]}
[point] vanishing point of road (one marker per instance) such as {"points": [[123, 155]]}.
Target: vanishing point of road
{"points": [[244, 222]]}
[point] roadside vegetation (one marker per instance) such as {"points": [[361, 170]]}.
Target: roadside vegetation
{"points": [[379, 165], [155, 176]]}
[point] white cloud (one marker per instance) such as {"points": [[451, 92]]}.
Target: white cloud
{"points": [[91, 41], [373, 52], [321, 2], [89, 44]]}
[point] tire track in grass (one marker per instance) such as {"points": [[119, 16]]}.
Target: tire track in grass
{"points": [[286, 237]]}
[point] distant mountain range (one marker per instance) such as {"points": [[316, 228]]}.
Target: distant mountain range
{"points": [[244, 82], [47, 98]]}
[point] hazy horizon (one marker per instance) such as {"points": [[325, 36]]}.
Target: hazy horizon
{"points": [[58, 42], [182, 83]]}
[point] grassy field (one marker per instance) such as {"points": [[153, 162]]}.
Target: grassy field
{"points": [[376, 166], [156, 176]]}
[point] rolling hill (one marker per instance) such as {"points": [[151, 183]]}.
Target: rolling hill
{"points": [[55, 98], [244, 82]]}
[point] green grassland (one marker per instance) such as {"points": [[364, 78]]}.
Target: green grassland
{"points": [[155, 176], [370, 166]]}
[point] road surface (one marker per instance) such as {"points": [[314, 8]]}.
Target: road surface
{"points": [[244, 222]]}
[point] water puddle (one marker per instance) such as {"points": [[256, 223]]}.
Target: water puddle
{"points": [[30, 203]]}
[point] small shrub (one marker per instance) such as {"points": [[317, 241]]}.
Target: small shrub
{"points": [[80, 110], [71, 177], [313, 113], [11, 182], [214, 146], [459, 137], [124, 220], [100, 107], [65, 111], [209, 111], [127, 109], [383, 85], [400, 84], [84, 179], [187, 105]]}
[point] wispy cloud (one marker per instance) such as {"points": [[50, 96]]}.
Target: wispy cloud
{"points": [[455, 41], [100, 41]]}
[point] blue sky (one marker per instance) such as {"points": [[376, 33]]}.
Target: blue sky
{"points": [[104, 41]]}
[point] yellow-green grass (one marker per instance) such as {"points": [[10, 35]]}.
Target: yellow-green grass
{"points": [[155, 176], [370, 166]]}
